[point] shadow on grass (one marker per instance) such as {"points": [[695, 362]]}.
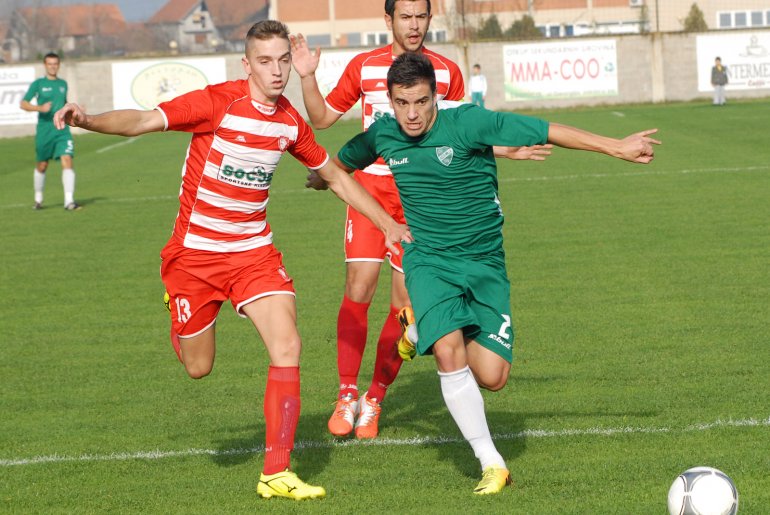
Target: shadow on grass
{"points": [[414, 409], [307, 460]]}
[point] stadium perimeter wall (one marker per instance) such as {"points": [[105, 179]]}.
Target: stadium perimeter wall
{"points": [[650, 68]]}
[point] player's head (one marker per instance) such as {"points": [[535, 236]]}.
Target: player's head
{"points": [[51, 62], [412, 92], [718, 60], [265, 30], [477, 68], [268, 60], [408, 21], [390, 6]]}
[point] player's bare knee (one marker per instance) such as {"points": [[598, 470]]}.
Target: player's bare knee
{"points": [[286, 353], [360, 290], [198, 370], [494, 386], [492, 380]]}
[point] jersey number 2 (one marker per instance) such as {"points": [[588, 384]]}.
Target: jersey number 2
{"points": [[503, 332]]}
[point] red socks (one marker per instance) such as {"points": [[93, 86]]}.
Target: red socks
{"points": [[388, 362], [351, 341], [281, 408]]}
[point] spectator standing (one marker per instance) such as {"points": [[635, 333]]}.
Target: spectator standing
{"points": [[719, 81], [478, 86]]}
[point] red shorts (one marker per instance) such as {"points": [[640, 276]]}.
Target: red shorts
{"points": [[199, 281], [363, 240]]}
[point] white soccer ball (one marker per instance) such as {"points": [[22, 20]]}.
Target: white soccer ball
{"points": [[703, 491]]}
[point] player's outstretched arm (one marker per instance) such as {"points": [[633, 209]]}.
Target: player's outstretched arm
{"points": [[637, 148], [352, 193], [305, 63], [123, 122], [534, 153]]}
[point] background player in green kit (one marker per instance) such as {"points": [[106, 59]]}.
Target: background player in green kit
{"points": [[444, 168], [50, 143]]}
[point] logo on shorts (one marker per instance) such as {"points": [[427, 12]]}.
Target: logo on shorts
{"points": [[499, 340], [445, 155], [282, 273], [349, 231]]}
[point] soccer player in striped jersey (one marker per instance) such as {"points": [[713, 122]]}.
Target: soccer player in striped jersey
{"points": [[443, 164], [365, 78], [221, 246]]}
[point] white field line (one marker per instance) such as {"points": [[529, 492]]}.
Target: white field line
{"points": [[416, 441], [302, 191], [732, 169], [116, 145]]}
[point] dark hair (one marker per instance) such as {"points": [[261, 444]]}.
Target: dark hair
{"points": [[409, 69], [267, 29], [390, 6], [51, 55]]}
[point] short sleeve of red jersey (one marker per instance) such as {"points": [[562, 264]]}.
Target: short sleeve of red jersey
{"points": [[191, 112], [456, 83], [348, 89], [306, 149]]}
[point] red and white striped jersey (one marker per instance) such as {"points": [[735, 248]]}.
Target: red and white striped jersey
{"points": [[235, 148], [366, 77]]}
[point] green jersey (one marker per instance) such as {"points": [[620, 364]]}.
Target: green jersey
{"points": [[447, 178], [47, 90]]}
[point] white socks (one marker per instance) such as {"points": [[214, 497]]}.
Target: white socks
{"points": [[466, 405], [39, 184], [68, 181]]}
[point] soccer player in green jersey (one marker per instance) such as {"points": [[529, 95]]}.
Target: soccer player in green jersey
{"points": [[444, 168], [50, 143]]}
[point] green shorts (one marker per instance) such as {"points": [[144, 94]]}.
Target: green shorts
{"points": [[51, 143], [450, 292]]}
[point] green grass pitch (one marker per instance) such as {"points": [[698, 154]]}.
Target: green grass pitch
{"points": [[640, 297]]}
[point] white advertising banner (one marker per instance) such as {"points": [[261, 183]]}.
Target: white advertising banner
{"points": [[561, 69], [746, 55], [145, 84], [14, 83], [330, 68]]}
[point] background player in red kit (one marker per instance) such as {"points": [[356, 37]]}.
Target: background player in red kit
{"points": [[221, 247], [365, 250]]}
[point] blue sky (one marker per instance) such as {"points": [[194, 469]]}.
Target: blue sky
{"points": [[133, 10]]}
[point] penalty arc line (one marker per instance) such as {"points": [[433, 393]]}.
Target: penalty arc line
{"points": [[416, 441]]}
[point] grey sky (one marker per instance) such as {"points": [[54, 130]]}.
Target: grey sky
{"points": [[133, 10]]}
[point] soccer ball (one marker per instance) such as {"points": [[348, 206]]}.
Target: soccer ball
{"points": [[703, 491]]}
